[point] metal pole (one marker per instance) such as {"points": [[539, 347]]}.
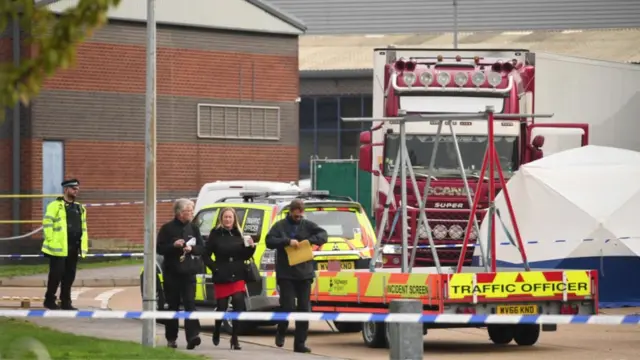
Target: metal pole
{"points": [[403, 188], [455, 24], [385, 213], [406, 340], [423, 206], [16, 133], [467, 189], [149, 291]]}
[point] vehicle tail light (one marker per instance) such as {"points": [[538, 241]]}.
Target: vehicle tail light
{"points": [[410, 65], [497, 67], [466, 310], [569, 309], [400, 65]]}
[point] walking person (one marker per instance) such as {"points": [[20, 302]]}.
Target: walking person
{"points": [[179, 240], [229, 270], [65, 238], [295, 281]]}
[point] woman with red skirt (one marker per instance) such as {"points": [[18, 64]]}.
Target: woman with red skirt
{"points": [[231, 250]]}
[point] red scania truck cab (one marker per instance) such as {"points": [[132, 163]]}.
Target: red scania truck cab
{"points": [[435, 81]]}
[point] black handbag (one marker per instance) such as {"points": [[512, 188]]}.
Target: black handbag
{"points": [[190, 264], [253, 274]]}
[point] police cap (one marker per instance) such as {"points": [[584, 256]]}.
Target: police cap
{"points": [[70, 182]]}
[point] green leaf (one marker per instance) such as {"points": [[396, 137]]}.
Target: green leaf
{"points": [[56, 39]]}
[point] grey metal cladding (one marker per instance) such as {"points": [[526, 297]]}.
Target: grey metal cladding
{"points": [[333, 87], [416, 16], [121, 117], [119, 32]]}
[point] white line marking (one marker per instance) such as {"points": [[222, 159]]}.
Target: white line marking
{"points": [[75, 294], [106, 296], [517, 33]]}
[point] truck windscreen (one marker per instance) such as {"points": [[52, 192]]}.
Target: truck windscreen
{"points": [[472, 149]]}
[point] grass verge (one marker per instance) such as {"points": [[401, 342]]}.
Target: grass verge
{"points": [[8, 271], [67, 346]]}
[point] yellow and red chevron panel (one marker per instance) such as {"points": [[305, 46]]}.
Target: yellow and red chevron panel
{"points": [[377, 288], [524, 285]]}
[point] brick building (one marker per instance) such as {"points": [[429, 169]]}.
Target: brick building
{"points": [[227, 86]]}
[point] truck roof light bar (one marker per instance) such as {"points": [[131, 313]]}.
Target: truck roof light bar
{"points": [[492, 78]]}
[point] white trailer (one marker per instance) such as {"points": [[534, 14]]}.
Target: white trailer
{"points": [[603, 94]]}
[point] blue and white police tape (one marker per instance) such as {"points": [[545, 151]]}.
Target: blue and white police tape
{"points": [[106, 255], [342, 317]]}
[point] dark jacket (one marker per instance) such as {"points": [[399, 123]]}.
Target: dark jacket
{"points": [[231, 254], [281, 234], [168, 234]]}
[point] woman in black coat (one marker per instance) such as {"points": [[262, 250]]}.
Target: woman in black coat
{"points": [[229, 270]]}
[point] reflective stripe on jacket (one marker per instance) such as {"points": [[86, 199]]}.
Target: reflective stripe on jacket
{"points": [[54, 227]]}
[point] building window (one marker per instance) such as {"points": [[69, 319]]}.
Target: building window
{"points": [[327, 108], [351, 106], [328, 145], [307, 113], [238, 122], [367, 107], [307, 146], [350, 144], [324, 134]]}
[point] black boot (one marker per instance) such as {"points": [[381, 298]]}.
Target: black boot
{"points": [[302, 349], [216, 333], [279, 338], [51, 304], [68, 306], [235, 344], [193, 342]]}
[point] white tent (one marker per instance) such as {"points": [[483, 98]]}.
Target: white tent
{"points": [[577, 209]]}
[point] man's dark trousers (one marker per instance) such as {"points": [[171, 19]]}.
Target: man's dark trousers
{"points": [[292, 291], [180, 289], [62, 272]]}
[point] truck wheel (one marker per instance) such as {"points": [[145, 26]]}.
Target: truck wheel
{"points": [[348, 327], [500, 334], [526, 335], [374, 334]]}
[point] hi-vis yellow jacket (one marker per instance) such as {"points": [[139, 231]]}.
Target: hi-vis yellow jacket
{"points": [[54, 227]]}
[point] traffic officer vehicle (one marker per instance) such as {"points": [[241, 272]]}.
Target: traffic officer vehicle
{"points": [[350, 245]]}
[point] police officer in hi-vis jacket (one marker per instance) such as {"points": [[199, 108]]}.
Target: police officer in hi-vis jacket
{"points": [[65, 238]]}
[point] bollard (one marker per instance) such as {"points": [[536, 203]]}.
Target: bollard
{"points": [[406, 340]]}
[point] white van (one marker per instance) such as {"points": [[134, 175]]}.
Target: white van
{"points": [[212, 192]]}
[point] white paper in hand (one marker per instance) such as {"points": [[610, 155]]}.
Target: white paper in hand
{"points": [[191, 242]]}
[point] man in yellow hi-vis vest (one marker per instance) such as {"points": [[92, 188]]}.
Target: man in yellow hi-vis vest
{"points": [[65, 238]]}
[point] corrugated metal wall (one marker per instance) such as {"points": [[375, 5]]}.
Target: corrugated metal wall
{"points": [[416, 16]]}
